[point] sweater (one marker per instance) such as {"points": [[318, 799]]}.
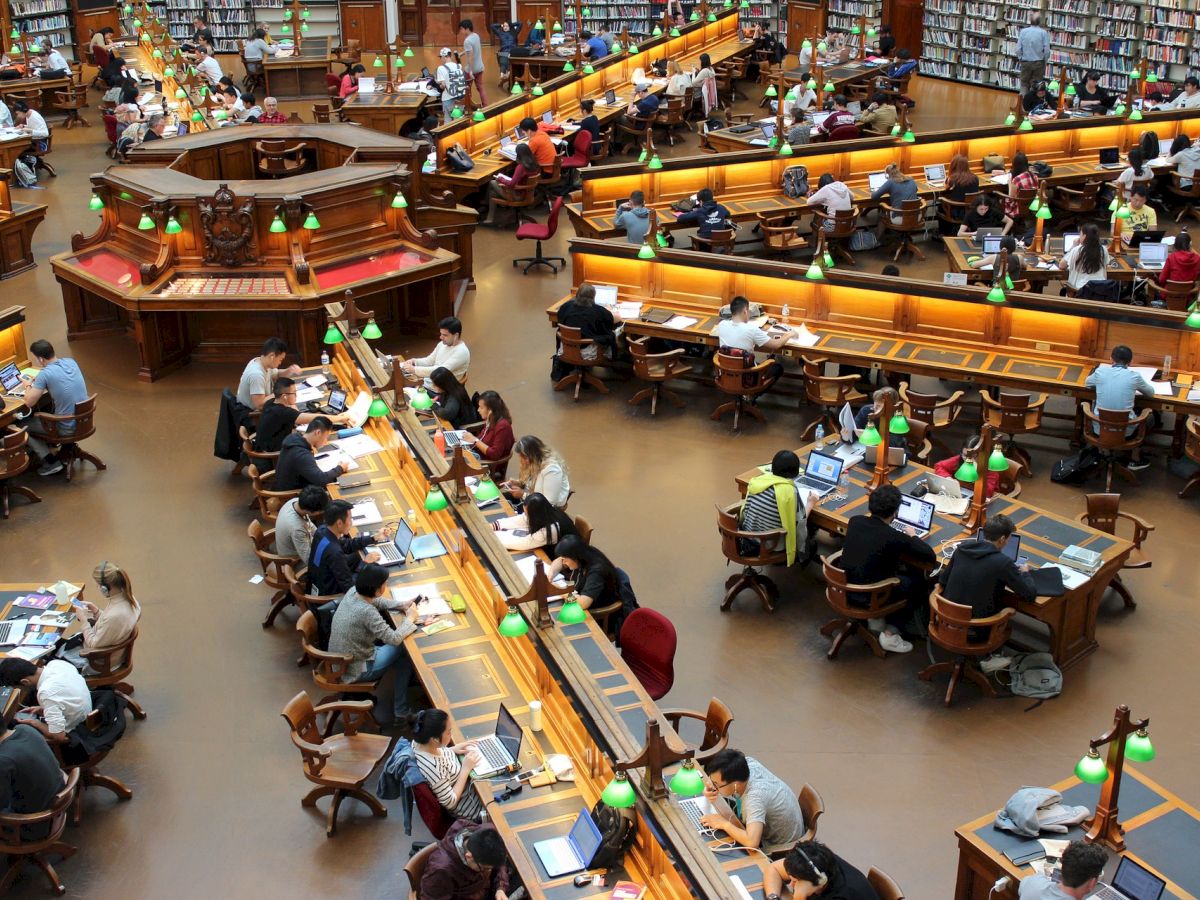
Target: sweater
{"points": [[358, 623], [978, 575], [113, 625], [297, 467], [448, 877], [457, 359], [499, 439], [635, 221], [332, 562]]}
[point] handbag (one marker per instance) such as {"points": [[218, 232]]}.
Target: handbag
{"points": [[458, 159], [863, 240]]}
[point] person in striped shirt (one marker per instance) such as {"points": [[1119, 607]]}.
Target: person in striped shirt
{"points": [[773, 503], [448, 776]]}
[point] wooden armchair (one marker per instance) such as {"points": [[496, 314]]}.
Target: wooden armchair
{"points": [[298, 587], [771, 552], [1113, 433], [1010, 479], [14, 460], [415, 869], [601, 147], [279, 159], [931, 409], [813, 807], [1014, 414], [883, 885], [263, 461], [657, 369], [112, 667], [69, 442], [952, 628], [1073, 205], [272, 569], [906, 220], [1188, 196], [845, 223], [322, 113], [88, 776], [781, 234], [827, 392], [33, 837], [717, 719], [733, 377], [1174, 295], [1191, 449], [523, 196], [1104, 514], [852, 619], [71, 101], [573, 346], [669, 117], [720, 240], [917, 441], [328, 670], [952, 213], [338, 765], [269, 501], [633, 133]]}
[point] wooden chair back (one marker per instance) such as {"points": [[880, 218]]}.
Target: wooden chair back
{"points": [[1104, 514], [306, 734], [328, 668], [954, 212], [1191, 439], [1176, 295], [584, 528], [272, 563], [1010, 479], [321, 112], [847, 132], [84, 418], [1190, 192], [718, 719], [1013, 413], [883, 885], [910, 213], [110, 664], [26, 834], [930, 408], [523, 195], [877, 596], [772, 548], [1081, 200], [269, 501], [14, 453], [779, 232], [277, 158], [845, 222], [826, 390], [599, 148], [266, 459], [1106, 429], [648, 643], [649, 366], [951, 627], [917, 439], [573, 343], [415, 869], [720, 240], [733, 376], [812, 806]]}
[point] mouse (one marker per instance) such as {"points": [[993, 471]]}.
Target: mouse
{"points": [[583, 880]]}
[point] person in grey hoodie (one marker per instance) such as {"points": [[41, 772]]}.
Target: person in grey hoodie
{"points": [[832, 196], [979, 572], [634, 218]]}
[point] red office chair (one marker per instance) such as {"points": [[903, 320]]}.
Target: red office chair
{"points": [[536, 231], [844, 133], [648, 644], [112, 131], [580, 158], [432, 813]]}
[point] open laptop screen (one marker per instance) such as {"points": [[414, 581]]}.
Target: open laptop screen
{"points": [[1070, 239], [585, 836], [404, 537], [1110, 156], [1152, 254], [918, 513], [991, 243], [548, 117], [508, 731], [823, 467], [10, 377], [935, 173], [1137, 882], [876, 180], [606, 294], [1011, 548]]}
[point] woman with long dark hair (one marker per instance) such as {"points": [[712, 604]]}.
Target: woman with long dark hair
{"points": [[1020, 179], [496, 440], [541, 526], [594, 575], [1087, 260], [453, 402], [438, 759]]}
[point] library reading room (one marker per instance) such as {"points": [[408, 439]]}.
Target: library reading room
{"points": [[404, 317]]}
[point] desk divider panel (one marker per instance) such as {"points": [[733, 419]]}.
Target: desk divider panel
{"points": [[948, 319], [1037, 331]]}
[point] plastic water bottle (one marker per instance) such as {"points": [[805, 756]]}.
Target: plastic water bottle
{"points": [[325, 363], [820, 437], [785, 313]]}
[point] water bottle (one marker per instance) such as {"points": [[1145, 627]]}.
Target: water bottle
{"points": [[785, 313], [325, 363], [820, 437], [1166, 368]]}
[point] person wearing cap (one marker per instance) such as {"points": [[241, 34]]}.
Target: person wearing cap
{"points": [[644, 104], [452, 80], [539, 142]]}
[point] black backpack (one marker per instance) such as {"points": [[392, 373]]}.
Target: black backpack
{"points": [[618, 828], [1076, 468], [795, 181]]}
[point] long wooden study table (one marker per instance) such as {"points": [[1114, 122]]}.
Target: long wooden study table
{"points": [[719, 39], [1161, 832], [594, 709], [1070, 617], [1123, 267], [13, 349], [749, 182], [1032, 342]]}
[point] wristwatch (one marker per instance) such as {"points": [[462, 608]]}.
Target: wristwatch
{"points": [[772, 897]]}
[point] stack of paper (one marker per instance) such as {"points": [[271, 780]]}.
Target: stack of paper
{"points": [[680, 322], [359, 445], [629, 309], [804, 338], [357, 413], [1163, 387], [331, 459], [365, 512], [1071, 578]]}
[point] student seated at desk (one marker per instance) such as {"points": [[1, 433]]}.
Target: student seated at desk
{"points": [[1117, 387], [294, 523], [874, 551], [948, 466], [469, 862], [813, 870], [833, 197], [1082, 865], [251, 113], [31, 122], [450, 351], [63, 380], [979, 572], [155, 126], [988, 261], [452, 403], [902, 65], [597, 581], [280, 417], [634, 217], [1189, 97], [1185, 156], [63, 699], [678, 81], [898, 188], [527, 168], [1183, 263], [1141, 216], [596, 323], [496, 440], [362, 630], [643, 106], [1039, 101], [961, 182], [272, 116], [540, 527], [129, 92], [736, 333], [541, 471], [208, 66], [1137, 172], [590, 121], [773, 503], [839, 117], [448, 776], [707, 215], [349, 84], [201, 33], [879, 116], [257, 47], [297, 466], [593, 46], [1090, 96], [1088, 260], [255, 384], [539, 142], [1021, 178], [335, 556], [30, 774], [771, 818], [862, 418], [108, 627], [52, 60]]}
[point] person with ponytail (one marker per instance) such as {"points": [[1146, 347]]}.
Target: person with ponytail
{"points": [[111, 626], [448, 776]]}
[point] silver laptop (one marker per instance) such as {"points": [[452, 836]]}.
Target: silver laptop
{"points": [[818, 118], [947, 487], [1164, 146], [548, 117], [876, 180], [821, 474], [935, 174], [991, 243], [606, 295], [694, 808], [1151, 255], [915, 514], [12, 631], [500, 750], [508, 148], [1131, 881], [1070, 239], [10, 379], [572, 852], [982, 234], [406, 543], [855, 107]]}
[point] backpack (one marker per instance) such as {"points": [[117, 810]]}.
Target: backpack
{"points": [[618, 828], [456, 81], [24, 170], [1035, 675], [795, 182], [1041, 168], [1076, 468], [992, 162]]}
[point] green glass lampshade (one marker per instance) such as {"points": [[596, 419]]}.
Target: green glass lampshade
{"points": [[1114, 205], [773, 143], [304, 27], [539, 24], [285, 28], [712, 17], [378, 409], [127, 9], [785, 149], [277, 226], [310, 222], [661, 239], [828, 88], [967, 472], [570, 13], [642, 156], [814, 273], [333, 335], [1138, 746], [1036, 204], [537, 90], [1044, 212], [517, 90], [95, 204], [657, 32], [996, 461], [588, 69], [828, 260], [822, 47], [898, 424], [587, 12], [220, 115], [896, 130], [687, 781], [806, 44], [145, 223], [513, 624], [793, 93], [1008, 283], [1091, 768], [421, 399], [435, 499], [695, 17], [203, 87], [557, 27], [1053, 86], [871, 31], [856, 30], [173, 226], [1025, 125], [811, 84], [572, 613], [619, 793], [304, 14], [909, 137], [378, 62], [1119, 109], [485, 489], [14, 50], [372, 332], [408, 53], [674, 32], [870, 436], [156, 53], [616, 47], [771, 91], [570, 67], [1135, 116], [996, 294], [477, 116], [633, 48], [399, 201], [1151, 78], [197, 117], [1071, 92], [1010, 119], [1123, 212], [1135, 73], [1193, 319], [137, 23], [168, 72], [655, 162], [646, 252], [287, 15]]}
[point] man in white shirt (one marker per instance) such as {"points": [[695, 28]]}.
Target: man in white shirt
{"points": [[31, 121], [208, 66], [63, 698], [1082, 864], [737, 333], [53, 60], [1189, 99], [260, 373], [450, 352]]}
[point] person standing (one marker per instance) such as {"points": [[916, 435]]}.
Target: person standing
{"points": [[473, 48], [1033, 52]]}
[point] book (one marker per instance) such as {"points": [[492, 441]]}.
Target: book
{"points": [[35, 601], [627, 890], [40, 639]]}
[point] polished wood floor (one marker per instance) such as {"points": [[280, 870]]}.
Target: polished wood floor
{"points": [[217, 784]]}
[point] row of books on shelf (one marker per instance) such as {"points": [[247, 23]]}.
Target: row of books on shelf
{"points": [[48, 23], [936, 20], [872, 9], [948, 7], [933, 39], [36, 7]]}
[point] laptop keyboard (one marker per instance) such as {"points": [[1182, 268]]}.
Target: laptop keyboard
{"points": [[388, 552], [6, 630], [1104, 892], [693, 811], [493, 753], [815, 484]]}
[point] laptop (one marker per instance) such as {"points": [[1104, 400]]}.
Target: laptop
{"points": [[768, 132], [406, 544], [1011, 548], [821, 474], [12, 631], [508, 148], [1070, 239], [1151, 255], [606, 295], [1110, 158], [935, 174], [573, 852], [456, 438], [694, 808], [336, 404], [10, 379], [501, 749], [1131, 881], [1150, 237], [855, 107], [940, 484], [982, 234], [915, 514], [548, 117], [876, 180], [610, 97], [1164, 147], [818, 118], [991, 243]]}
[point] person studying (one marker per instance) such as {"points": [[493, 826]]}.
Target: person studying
{"points": [[771, 817]]}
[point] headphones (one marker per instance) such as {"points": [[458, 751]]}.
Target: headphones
{"points": [[103, 587], [822, 878]]}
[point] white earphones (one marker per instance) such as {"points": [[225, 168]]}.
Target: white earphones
{"points": [[822, 878]]}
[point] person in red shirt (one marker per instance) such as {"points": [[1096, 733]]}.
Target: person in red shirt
{"points": [[947, 467], [350, 81], [1183, 263], [496, 440], [539, 142], [271, 114]]}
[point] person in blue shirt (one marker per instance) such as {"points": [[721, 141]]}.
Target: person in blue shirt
{"points": [[63, 380], [708, 215], [903, 64], [1117, 388], [594, 46], [506, 36]]}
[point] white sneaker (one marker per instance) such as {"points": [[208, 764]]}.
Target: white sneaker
{"points": [[893, 643], [995, 661]]}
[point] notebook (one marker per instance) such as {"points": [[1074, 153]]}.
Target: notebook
{"points": [[508, 149]]}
